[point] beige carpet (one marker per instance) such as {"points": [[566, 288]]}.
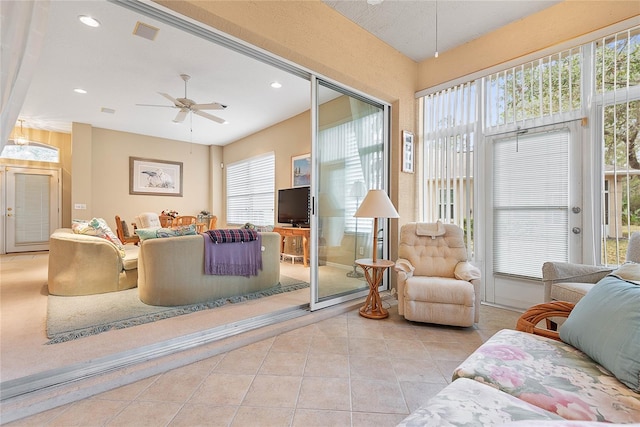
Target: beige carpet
{"points": [[72, 317]]}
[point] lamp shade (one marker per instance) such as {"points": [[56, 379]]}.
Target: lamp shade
{"points": [[376, 205]]}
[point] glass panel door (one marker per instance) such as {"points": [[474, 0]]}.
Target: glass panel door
{"points": [[349, 158]]}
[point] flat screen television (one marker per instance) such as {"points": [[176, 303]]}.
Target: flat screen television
{"points": [[293, 206]]}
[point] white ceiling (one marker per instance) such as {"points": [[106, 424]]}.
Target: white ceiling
{"points": [[120, 70]]}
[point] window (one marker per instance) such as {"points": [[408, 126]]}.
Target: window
{"points": [[599, 81], [251, 191], [617, 87], [33, 151], [450, 128]]}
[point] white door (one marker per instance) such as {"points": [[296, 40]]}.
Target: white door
{"points": [[32, 208], [535, 211]]}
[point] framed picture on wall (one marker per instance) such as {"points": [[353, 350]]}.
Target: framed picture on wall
{"points": [[407, 151], [155, 177], [301, 170]]}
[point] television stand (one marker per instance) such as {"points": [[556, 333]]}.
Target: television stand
{"points": [[305, 233]]}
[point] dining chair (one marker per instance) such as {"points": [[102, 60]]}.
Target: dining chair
{"points": [[122, 230], [183, 220]]}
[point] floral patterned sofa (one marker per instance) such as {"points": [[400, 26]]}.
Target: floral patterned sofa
{"points": [[520, 378]]}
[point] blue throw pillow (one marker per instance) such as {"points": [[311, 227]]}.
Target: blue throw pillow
{"points": [[605, 325], [154, 233]]}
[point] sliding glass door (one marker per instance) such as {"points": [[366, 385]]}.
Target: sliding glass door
{"points": [[349, 158]]}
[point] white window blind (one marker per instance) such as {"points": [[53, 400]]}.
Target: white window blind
{"points": [[32, 208], [530, 202], [251, 191]]}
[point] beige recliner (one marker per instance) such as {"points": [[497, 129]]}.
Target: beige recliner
{"points": [[436, 284]]}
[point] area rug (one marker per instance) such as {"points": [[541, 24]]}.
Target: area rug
{"points": [[69, 318]]}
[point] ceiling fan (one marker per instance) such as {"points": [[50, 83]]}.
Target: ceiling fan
{"points": [[186, 105]]}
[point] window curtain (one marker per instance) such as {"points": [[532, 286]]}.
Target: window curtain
{"points": [[22, 30]]}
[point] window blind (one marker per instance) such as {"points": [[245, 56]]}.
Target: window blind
{"points": [[530, 202], [251, 191]]}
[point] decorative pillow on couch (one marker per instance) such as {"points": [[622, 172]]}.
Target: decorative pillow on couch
{"points": [[97, 227], [155, 233], [605, 325]]}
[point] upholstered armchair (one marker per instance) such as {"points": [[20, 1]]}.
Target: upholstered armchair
{"points": [[436, 284], [564, 281], [148, 220]]}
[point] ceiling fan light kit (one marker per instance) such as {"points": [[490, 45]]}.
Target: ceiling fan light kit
{"points": [[186, 105]]}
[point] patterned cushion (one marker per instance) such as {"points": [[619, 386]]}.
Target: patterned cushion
{"points": [[97, 227], [470, 403], [552, 375]]}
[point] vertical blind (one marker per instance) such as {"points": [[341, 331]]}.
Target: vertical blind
{"points": [[530, 202], [251, 191], [450, 127]]}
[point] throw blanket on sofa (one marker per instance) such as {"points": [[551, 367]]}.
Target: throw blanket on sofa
{"points": [[232, 235], [243, 258]]}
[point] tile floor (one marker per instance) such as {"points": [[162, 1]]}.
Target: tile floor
{"points": [[343, 371]]}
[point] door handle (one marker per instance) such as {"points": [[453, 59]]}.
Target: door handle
{"points": [[576, 230]]}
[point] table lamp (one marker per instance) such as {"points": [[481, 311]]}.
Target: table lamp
{"points": [[376, 205]]}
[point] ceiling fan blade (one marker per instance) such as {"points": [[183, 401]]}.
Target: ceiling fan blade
{"points": [[181, 115], [211, 106], [172, 99], [209, 116], [156, 105]]}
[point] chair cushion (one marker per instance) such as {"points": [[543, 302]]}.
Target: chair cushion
{"points": [[605, 324], [439, 290], [130, 260], [570, 291]]}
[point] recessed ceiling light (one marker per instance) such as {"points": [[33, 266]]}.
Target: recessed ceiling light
{"points": [[225, 122], [276, 85], [374, 2], [78, 90], [89, 21]]}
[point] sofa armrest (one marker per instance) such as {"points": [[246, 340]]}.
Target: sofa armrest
{"points": [[556, 272], [529, 320]]}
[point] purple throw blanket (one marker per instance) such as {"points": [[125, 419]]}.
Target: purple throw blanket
{"points": [[242, 258], [232, 235]]}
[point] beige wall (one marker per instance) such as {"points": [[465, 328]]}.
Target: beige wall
{"points": [[288, 138], [105, 187]]}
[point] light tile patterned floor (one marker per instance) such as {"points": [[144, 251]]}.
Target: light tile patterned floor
{"points": [[344, 371]]}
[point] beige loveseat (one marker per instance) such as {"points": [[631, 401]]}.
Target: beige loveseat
{"points": [[171, 271], [80, 264]]}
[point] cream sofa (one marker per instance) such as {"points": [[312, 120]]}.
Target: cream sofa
{"points": [[171, 271], [84, 265]]}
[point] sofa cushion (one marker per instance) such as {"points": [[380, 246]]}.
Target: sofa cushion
{"points": [[570, 291], [605, 324], [465, 402], [155, 233], [552, 375]]}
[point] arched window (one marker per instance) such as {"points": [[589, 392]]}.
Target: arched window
{"points": [[34, 151]]}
